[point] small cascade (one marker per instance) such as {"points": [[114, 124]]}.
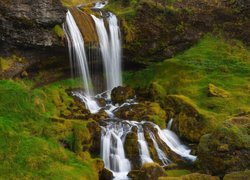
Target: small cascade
{"points": [[173, 142], [161, 155], [144, 153], [110, 46], [112, 150]]}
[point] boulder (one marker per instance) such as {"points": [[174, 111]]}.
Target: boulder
{"points": [[106, 174], [149, 171], [149, 111], [225, 150], [189, 122], [121, 94], [131, 148], [214, 91]]}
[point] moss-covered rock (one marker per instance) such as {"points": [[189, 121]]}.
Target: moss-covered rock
{"points": [[214, 91], [131, 148], [149, 111], [156, 92], [240, 175], [225, 150], [81, 137], [121, 94], [189, 122], [149, 171]]}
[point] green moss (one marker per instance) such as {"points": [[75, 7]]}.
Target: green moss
{"points": [[177, 172], [59, 31]]}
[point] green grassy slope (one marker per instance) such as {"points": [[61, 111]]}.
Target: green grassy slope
{"points": [[226, 64], [25, 152]]}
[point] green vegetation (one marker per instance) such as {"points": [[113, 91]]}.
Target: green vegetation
{"points": [[59, 31], [29, 148], [225, 64], [177, 172]]}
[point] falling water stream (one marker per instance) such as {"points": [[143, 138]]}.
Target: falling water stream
{"points": [[114, 130]]}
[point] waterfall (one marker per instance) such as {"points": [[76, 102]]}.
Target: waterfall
{"points": [[110, 45], [112, 150], [144, 153], [77, 52], [161, 155]]}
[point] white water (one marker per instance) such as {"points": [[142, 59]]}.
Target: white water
{"points": [[173, 142], [112, 150], [110, 45], [161, 155], [170, 124], [100, 5], [77, 52]]}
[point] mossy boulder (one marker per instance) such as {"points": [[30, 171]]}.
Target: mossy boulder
{"points": [[149, 111], [240, 175], [149, 171], [225, 150], [131, 148], [156, 92], [214, 91], [189, 122], [121, 94]]}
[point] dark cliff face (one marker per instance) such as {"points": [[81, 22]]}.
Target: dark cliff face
{"points": [[29, 23], [161, 30]]}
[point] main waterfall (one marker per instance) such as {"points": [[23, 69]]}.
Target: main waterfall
{"points": [[115, 131]]}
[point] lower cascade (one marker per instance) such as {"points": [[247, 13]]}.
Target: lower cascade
{"points": [[115, 131]]}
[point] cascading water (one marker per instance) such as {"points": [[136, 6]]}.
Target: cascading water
{"points": [[114, 131], [112, 150], [79, 62], [77, 52], [110, 45]]}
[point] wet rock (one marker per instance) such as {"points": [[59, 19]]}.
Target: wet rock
{"points": [[106, 174], [225, 150], [121, 94], [214, 91], [131, 148], [189, 122], [150, 171], [148, 111]]}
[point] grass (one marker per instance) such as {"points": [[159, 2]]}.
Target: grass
{"points": [[226, 64], [25, 151]]}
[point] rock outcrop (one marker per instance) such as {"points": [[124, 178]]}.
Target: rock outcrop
{"points": [[30, 23]]}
